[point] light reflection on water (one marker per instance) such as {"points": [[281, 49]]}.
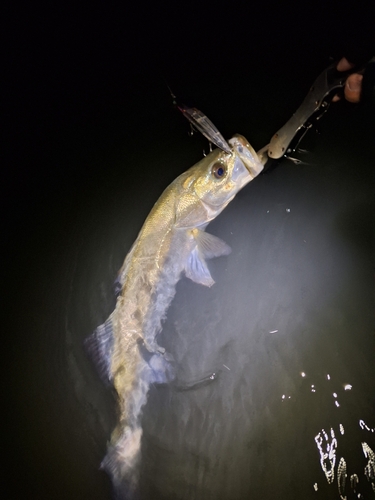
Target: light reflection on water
{"points": [[328, 446], [332, 447]]}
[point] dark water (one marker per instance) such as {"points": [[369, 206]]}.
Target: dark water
{"points": [[91, 142]]}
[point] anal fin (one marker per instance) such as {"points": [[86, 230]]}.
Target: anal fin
{"points": [[160, 365]]}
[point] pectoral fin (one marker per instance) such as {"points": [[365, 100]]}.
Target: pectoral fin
{"points": [[196, 269], [208, 246]]}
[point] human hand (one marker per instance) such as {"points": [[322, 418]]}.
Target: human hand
{"points": [[353, 84]]}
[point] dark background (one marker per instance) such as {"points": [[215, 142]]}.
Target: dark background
{"points": [[90, 140]]}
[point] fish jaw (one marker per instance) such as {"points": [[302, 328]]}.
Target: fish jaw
{"points": [[247, 155]]}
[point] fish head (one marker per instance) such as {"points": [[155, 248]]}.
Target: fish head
{"points": [[219, 176]]}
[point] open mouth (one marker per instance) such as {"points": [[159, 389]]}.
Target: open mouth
{"points": [[247, 154]]}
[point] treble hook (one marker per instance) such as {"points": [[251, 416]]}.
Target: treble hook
{"points": [[210, 148]]}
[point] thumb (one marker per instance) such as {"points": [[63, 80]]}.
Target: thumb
{"points": [[353, 88]]}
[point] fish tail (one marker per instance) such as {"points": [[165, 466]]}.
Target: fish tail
{"points": [[122, 463], [124, 451]]}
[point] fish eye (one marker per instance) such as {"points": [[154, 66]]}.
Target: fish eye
{"points": [[218, 170]]}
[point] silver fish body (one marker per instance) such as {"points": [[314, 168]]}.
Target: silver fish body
{"points": [[172, 242]]}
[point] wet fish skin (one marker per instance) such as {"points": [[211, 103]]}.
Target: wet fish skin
{"points": [[171, 242]]}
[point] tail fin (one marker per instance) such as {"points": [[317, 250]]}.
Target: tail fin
{"points": [[121, 463], [122, 459]]}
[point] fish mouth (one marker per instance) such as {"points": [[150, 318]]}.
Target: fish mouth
{"points": [[241, 174], [247, 155]]}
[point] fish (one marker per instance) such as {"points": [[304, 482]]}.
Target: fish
{"points": [[171, 243]]}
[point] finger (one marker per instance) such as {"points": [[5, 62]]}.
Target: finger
{"points": [[353, 88], [344, 65]]}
